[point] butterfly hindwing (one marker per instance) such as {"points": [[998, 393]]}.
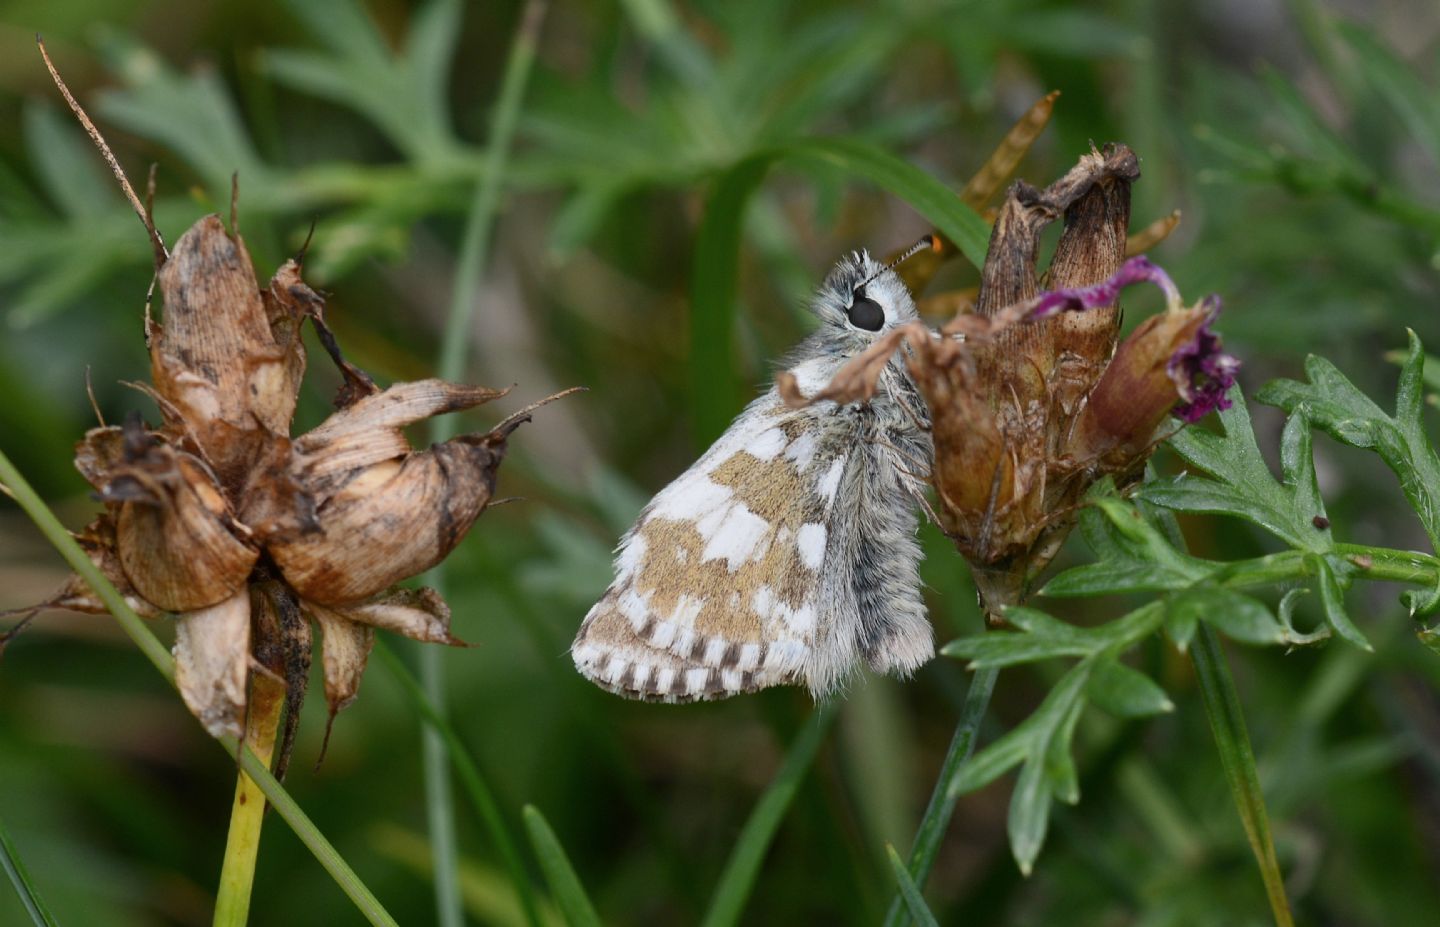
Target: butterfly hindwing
{"points": [[720, 586]]}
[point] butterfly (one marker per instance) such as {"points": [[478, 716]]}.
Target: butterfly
{"points": [[786, 554]]}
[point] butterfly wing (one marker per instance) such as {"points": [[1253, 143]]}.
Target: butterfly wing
{"points": [[720, 586]]}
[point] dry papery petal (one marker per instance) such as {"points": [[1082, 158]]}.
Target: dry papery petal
{"points": [[175, 535], [216, 360], [212, 653], [97, 539], [385, 513], [345, 649]]}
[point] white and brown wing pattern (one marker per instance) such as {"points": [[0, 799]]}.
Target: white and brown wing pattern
{"points": [[719, 586]]}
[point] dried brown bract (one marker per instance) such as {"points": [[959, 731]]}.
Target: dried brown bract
{"points": [[250, 535], [1032, 396]]}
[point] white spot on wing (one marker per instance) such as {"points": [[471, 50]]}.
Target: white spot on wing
{"points": [[811, 541], [733, 537], [830, 483], [690, 498], [766, 444], [802, 451]]}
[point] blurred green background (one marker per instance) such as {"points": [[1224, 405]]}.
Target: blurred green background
{"points": [[1301, 140]]}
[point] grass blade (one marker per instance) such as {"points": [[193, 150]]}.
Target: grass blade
{"points": [[1222, 705], [714, 387], [914, 902], [471, 780], [738, 878], [20, 878], [469, 269], [565, 885], [926, 195], [942, 802], [134, 626], [715, 391]]}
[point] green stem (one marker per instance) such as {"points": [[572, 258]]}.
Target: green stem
{"points": [[738, 877], [1227, 721], [1381, 564], [155, 652], [247, 812], [470, 778], [470, 266], [942, 802], [40, 915]]}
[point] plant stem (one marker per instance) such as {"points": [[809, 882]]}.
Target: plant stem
{"points": [[942, 803], [469, 269], [1227, 721], [738, 877], [20, 878], [474, 783], [156, 653], [247, 813]]}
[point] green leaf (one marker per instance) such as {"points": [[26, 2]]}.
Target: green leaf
{"points": [[1136, 556], [565, 886], [1041, 637], [193, 115], [20, 878], [1227, 722], [1126, 692], [1334, 405], [926, 195], [1241, 483], [1430, 637], [1332, 598], [1042, 744], [1239, 616], [914, 901], [738, 877], [403, 94]]}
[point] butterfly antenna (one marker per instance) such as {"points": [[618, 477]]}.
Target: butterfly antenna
{"points": [[926, 243]]}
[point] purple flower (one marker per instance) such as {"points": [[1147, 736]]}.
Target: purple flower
{"points": [[1201, 371], [1104, 293]]}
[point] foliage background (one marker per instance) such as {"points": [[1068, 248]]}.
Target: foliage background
{"points": [[1301, 140]]}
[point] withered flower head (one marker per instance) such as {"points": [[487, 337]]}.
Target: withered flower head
{"points": [[1033, 397], [248, 535]]}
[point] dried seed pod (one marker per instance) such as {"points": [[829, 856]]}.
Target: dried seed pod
{"points": [[215, 359], [175, 535], [212, 652], [384, 512]]}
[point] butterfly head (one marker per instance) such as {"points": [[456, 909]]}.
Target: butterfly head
{"points": [[862, 299]]}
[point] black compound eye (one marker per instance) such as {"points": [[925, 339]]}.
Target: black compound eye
{"points": [[865, 312]]}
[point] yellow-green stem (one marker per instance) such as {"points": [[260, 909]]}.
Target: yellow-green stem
{"points": [[247, 813]]}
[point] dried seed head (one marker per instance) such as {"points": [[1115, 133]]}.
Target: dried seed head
{"points": [[221, 517], [175, 535], [384, 512]]}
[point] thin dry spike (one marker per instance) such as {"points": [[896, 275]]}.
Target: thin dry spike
{"points": [[150, 193], [7, 636], [235, 203], [998, 167], [90, 391], [156, 242], [510, 422], [1152, 234]]}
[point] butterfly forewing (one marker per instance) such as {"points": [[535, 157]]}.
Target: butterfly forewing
{"points": [[718, 586]]}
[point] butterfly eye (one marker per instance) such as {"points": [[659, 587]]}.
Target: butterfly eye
{"points": [[865, 312]]}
